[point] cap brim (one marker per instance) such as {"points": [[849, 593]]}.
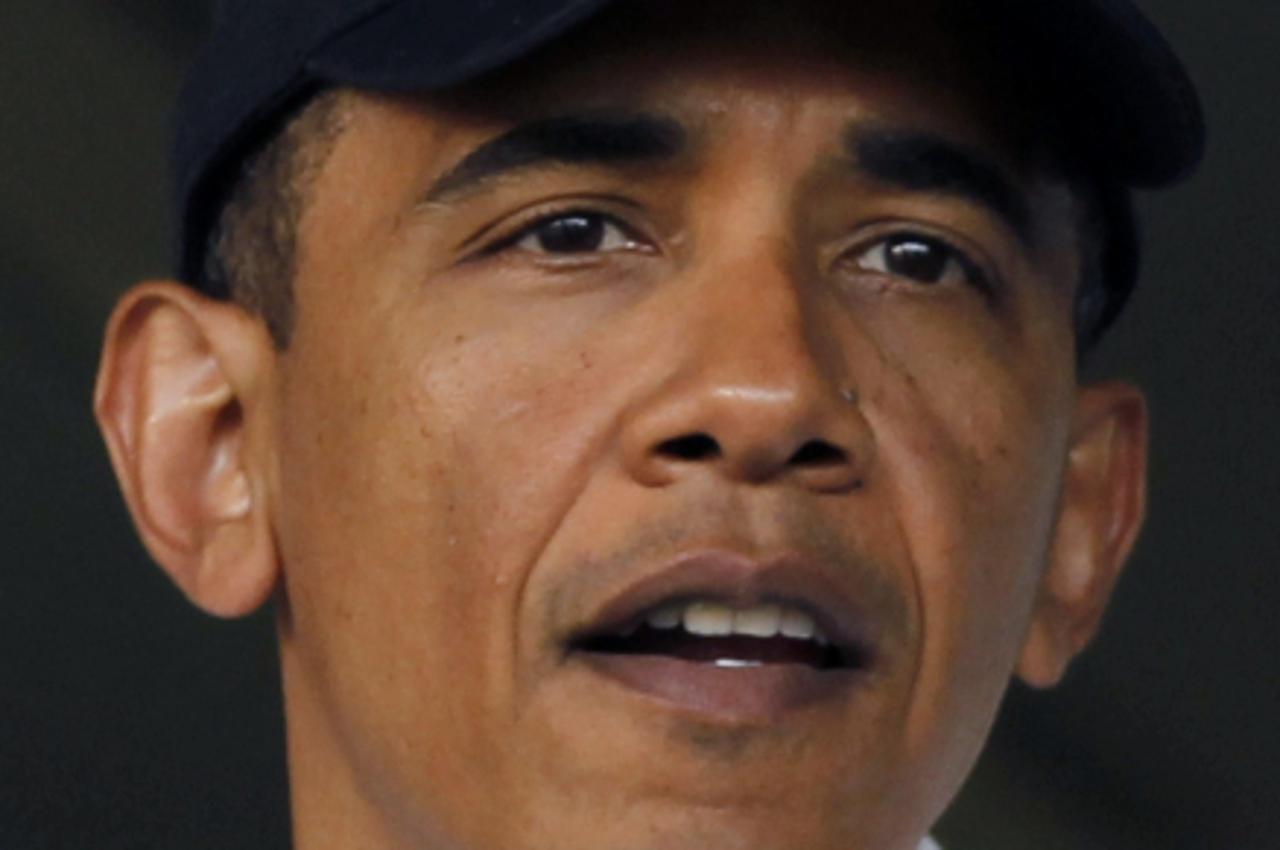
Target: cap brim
{"points": [[436, 45], [1101, 63], [1115, 76]]}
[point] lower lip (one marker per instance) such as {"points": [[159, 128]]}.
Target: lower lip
{"points": [[760, 694]]}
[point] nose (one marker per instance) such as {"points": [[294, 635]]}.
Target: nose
{"points": [[759, 389]]}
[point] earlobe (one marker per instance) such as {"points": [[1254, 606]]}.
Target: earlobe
{"points": [[178, 390], [1102, 508]]}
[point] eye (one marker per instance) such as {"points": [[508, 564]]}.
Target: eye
{"points": [[918, 258], [576, 232]]}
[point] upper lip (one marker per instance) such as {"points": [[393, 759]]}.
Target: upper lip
{"points": [[813, 585]]}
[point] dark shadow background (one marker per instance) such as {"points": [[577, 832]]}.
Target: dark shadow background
{"points": [[127, 720]]}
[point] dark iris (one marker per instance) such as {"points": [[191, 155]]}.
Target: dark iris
{"points": [[917, 258], [575, 233]]}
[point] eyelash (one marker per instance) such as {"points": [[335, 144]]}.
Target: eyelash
{"points": [[540, 218], [974, 272]]}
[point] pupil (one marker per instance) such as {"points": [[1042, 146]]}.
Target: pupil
{"points": [[572, 234], [916, 258]]}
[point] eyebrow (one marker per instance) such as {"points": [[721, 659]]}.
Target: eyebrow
{"points": [[607, 138], [922, 162]]}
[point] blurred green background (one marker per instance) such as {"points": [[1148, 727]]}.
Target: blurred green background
{"points": [[127, 720]]}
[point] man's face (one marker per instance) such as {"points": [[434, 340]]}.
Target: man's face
{"points": [[659, 324]]}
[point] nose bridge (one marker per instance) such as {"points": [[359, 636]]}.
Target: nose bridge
{"points": [[756, 339], [757, 388], [756, 335]]}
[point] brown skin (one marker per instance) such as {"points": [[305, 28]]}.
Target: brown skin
{"points": [[456, 461]]}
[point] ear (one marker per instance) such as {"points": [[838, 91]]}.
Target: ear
{"points": [[180, 399], [1103, 503]]}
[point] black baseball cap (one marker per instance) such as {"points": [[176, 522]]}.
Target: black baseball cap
{"points": [[1100, 62]]}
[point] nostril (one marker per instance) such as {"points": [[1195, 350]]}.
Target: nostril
{"points": [[818, 453], [691, 447]]}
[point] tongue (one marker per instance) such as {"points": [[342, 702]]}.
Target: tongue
{"points": [[678, 643]]}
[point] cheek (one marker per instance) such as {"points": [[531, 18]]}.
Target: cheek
{"points": [[511, 433], [391, 587], [971, 421], [423, 433], [422, 478], [383, 585], [970, 449]]}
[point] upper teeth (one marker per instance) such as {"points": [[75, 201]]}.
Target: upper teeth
{"points": [[714, 619]]}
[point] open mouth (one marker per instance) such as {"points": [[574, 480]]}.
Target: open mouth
{"points": [[733, 639], [727, 636]]}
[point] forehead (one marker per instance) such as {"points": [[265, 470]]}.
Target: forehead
{"points": [[761, 79]]}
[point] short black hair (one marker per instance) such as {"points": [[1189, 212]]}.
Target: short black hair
{"points": [[250, 253]]}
